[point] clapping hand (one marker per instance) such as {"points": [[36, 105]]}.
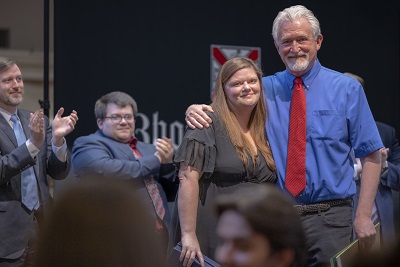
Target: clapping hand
{"points": [[36, 127], [165, 150], [63, 125]]}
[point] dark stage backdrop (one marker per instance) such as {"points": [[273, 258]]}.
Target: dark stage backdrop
{"points": [[159, 52]]}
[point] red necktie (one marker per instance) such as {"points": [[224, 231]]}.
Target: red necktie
{"points": [[151, 186], [296, 161]]}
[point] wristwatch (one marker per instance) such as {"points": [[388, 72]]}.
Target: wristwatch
{"points": [[384, 167]]}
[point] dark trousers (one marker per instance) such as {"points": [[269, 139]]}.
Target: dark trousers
{"points": [[327, 232], [164, 237], [28, 257]]}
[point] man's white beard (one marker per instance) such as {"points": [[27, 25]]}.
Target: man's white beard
{"points": [[300, 64]]}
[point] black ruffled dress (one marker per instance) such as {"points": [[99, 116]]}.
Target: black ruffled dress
{"points": [[211, 151]]}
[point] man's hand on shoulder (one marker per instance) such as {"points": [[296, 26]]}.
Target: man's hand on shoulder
{"points": [[195, 116]]}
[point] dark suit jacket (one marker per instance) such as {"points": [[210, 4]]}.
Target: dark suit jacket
{"points": [[16, 223], [388, 181], [97, 154]]}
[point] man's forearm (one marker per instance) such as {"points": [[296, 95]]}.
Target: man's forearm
{"points": [[369, 184]]}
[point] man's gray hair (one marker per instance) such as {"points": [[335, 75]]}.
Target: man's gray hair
{"points": [[293, 13]]}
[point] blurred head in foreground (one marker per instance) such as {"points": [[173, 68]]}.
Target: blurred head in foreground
{"points": [[259, 227], [99, 223]]}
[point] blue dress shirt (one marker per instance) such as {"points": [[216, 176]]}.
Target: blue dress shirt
{"points": [[338, 119]]}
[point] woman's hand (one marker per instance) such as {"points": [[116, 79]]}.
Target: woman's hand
{"points": [[190, 250]]}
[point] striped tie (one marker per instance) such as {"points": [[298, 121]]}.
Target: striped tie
{"points": [[295, 181], [375, 214], [152, 189]]}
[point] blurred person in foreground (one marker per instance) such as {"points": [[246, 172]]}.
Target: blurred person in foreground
{"points": [[230, 155], [32, 149], [259, 227], [389, 257], [114, 151], [100, 223]]}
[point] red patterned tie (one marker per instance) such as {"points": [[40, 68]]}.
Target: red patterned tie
{"points": [[151, 186], [296, 161]]}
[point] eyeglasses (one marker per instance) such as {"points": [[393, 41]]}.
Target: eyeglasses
{"points": [[116, 118]]}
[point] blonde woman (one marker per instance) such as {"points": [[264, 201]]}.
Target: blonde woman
{"points": [[231, 154]]}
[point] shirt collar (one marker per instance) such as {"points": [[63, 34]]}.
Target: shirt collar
{"points": [[7, 115], [308, 78], [132, 142]]}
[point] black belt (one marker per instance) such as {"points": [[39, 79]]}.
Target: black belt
{"points": [[321, 206]]}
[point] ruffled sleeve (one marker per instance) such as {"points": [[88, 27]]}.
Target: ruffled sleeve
{"points": [[198, 150], [196, 154]]}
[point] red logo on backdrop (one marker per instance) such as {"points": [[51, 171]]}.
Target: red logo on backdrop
{"points": [[222, 53]]}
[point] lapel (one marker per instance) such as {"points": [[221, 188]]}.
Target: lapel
{"points": [[118, 149], [145, 148], [126, 150], [142, 150], [6, 128]]}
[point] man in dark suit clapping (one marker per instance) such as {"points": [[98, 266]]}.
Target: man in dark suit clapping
{"points": [[30, 149]]}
